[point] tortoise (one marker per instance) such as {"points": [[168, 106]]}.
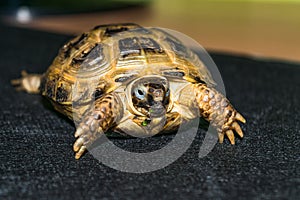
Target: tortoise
{"points": [[131, 80]]}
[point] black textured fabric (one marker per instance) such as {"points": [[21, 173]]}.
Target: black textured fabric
{"points": [[36, 154]]}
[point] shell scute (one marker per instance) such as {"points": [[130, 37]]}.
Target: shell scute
{"points": [[129, 47], [149, 45], [94, 59]]}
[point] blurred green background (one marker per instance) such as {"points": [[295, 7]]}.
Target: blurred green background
{"points": [[261, 28], [81, 5]]}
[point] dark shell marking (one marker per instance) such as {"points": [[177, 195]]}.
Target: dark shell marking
{"points": [[95, 59], [61, 94], [129, 47]]}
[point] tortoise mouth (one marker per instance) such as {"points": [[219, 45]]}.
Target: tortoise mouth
{"points": [[148, 96], [157, 110]]}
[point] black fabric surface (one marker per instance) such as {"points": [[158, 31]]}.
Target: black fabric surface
{"points": [[36, 154]]}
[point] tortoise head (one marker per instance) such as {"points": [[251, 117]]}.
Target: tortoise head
{"points": [[149, 95]]}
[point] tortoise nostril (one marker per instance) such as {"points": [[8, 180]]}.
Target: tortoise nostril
{"points": [[157, 93], [151, 90]]}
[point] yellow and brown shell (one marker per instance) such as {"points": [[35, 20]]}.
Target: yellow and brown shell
{"points": [[108, 56]]}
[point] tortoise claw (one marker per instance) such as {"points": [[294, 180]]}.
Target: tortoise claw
{"points": [[81, 144], [24, 73], [80, 131], [239, 117], [234, 126], [221, 137], [80, 152], [96, 122], [87, 132], [237, 129], [78, 144], [16, 82], [230, 136]]}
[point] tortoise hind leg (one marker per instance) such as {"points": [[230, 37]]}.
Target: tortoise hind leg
{"points": [[28, 82]]}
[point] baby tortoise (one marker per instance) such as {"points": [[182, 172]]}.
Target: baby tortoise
{"points": [[131, 80]]}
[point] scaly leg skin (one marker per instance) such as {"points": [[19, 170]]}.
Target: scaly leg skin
{"points": [[216, 109], [28, 82], [106, 112]]}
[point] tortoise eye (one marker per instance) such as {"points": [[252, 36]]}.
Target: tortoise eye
{"points": [[139, 93]]}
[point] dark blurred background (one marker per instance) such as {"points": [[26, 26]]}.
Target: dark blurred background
{"points": [[268, 28]]}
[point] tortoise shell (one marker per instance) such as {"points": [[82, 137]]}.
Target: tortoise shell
{"points": [[101, 60]]}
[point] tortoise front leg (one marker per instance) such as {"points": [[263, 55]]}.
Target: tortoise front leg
{"points": [[106, 112], [216, 109]]}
